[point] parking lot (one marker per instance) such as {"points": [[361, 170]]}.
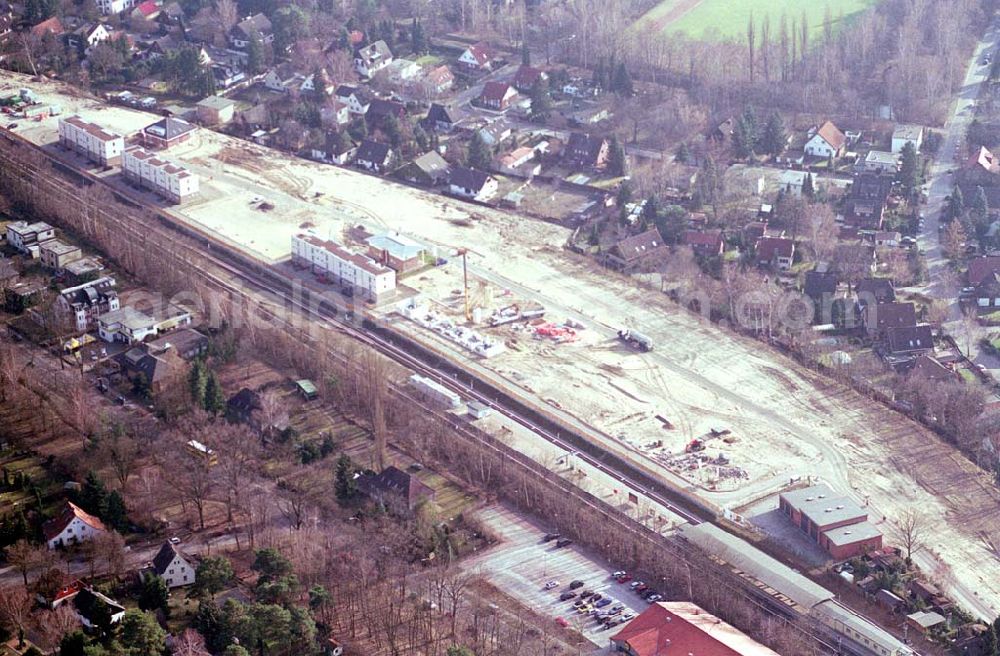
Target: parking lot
{"points": [[523, 563]]}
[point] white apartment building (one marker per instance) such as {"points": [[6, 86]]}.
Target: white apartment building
{"points": [[360, 274], [91, 140], [23, 235], [175, 183], [108, 7]]}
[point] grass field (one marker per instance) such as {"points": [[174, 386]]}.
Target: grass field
{"points": [[728, 18]]}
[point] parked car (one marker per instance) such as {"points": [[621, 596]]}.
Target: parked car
{"points": [[586, 593], [561, 622], [549, 537], [654, 598], [575, 584], [563, 543], [597, 596], [642, 587], [605, 602], [585, 609], [626, 617], [620, 572], [551, 584], [624, 578], [566, 596], [635, 584]]}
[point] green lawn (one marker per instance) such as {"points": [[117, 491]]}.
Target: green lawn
{"points": [[721, 19]]}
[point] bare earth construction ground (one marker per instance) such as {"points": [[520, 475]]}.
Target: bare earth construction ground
{"points": [[787, 420]]}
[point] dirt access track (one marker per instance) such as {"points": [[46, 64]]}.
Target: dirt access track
{"points": [[790, 421]]}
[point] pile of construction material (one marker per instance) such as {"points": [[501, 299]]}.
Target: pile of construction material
{"points": [[514, 313], [467, 338]]}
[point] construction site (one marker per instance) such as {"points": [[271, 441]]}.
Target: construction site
{"points": [[715, 414]]}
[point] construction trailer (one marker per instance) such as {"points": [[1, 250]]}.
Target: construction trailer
{"points": [[435, 392]]}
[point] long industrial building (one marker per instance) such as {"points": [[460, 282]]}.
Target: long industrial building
{"points": [[352, 271], [175, 183], [794, 591], [91, 140]]}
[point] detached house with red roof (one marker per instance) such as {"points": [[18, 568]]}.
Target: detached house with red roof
{"points": [[497, 95], [680, 628], [777, 252], [826, 141], [478, 57], [72, 526]]}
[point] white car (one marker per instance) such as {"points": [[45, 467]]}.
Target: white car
{"points": [[551, 584]]}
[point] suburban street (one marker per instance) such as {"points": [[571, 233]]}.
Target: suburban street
{"points": [[948, 159]]}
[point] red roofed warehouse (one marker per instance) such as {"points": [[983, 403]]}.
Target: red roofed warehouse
{"points": [[682, 628], [72, 526]]}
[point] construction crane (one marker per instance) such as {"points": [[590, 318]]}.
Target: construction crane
{"points": [[465, 279]]}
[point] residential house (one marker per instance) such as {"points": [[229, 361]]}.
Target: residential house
{"points": [[705, 243], [495, 131], [982, 276], [97, 611], [309, 84], [158, 368], [20, 296], [472, 184], [109, 7], [639, 251], [357, 102], [56, 254], [437, 81], [373, 156], [587, 150], [866, 201], [429, 170], [821, 288], [826, 141], [395, 488], [131, 326], [51, 26], [907, 134], [908, 341], [173, 566], [527, 76], [877, 319], [982, 168], [792, 182], [399, 253], [188, 343], [215, 110], [929, 370], [337, 148], [439, 118], [84, 303], [400, 70], [166, 133], [878, 162], [8, 273], [148, 10], [519, 162], [243, 32], [83, 270], [684, 629], [497, 96], [478, 57], [887, 238], [874, 290], [379, 110], [723, 132], [282, 80], [227, 77], [371, 59], [84, 38], [335, 113], [775, 252], [26, 237], [353, 272], [90, 140], [72, 526]]}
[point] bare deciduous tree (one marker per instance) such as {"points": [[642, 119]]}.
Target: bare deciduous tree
{"points": [[909, 529]]}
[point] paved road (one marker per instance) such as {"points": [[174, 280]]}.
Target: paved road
{"points": [[948, 159]]}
